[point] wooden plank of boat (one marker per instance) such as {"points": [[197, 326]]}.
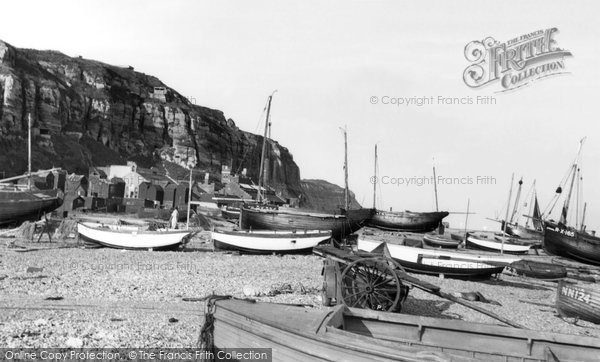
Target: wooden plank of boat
{"points": [[578, 300], [269, 241], [482, 242], [538, 270], [406, 220], [433, 261], [346, 334], [570, 243], [130, 237], [439, 241]]}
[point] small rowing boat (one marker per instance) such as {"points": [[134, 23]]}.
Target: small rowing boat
{"points": [[438, 241], [538, 270], [297, 333], [495, 243], [269, 241], [130, 237], [579, 301], [430, 261]]}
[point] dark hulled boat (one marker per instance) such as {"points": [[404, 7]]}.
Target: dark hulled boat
{"points": [[18, 206], [568, 242], [290, 219], [407, 220]]}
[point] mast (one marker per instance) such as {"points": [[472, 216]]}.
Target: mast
{"points": [[29, 151], [583, 217], [512, 179], [565, 210], [577, 200], [346, 193], [375, 177], [531, 204], [435, 187], [261, 174], [467, 218], [516, 201], [187, 225]]}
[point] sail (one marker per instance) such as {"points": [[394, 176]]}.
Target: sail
{"points": [[537, 216]]}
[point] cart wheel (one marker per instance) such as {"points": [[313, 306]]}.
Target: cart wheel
{"points": [[371, 283]]}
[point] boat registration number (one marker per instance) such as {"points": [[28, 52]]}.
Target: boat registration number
{"points": [[566, 232], [576, 294]]}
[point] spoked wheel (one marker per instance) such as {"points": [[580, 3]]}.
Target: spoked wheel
{"points": [[371, 283]]}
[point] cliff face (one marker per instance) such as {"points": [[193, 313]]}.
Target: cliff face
{"points": [[87, 113], [324, 196]]}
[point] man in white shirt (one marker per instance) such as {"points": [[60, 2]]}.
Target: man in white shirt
{"points": [[174, 218]]}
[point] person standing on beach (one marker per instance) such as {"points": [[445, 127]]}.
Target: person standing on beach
{"points": [[174, 217]]}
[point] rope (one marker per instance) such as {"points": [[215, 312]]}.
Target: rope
{"points": [[206, 340]]}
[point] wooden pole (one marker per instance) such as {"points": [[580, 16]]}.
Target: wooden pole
{"points": [[512, 179], [583, 217], [29, 151], [187, 226], [375, 177], [261, 173], [346, 193], [435, 187], [467, 219]]}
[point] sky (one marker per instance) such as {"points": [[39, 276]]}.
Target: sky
{"points": [[328, 59]]}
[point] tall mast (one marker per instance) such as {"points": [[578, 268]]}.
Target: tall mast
{"points": [[435, 187], [375, 177], [261, 174], [29, 151], [346, 193], [512, 179], [583, 217], [516, 201], [578, 195], [531, 204], [565, 210]]}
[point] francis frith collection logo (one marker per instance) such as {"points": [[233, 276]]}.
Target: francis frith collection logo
{"points": [[516, 62]]}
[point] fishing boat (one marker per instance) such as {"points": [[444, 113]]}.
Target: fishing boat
{"points": [[573, 242], [297, 220], [273, 218], [269, 241], [404, 220], [297, 333], [21, 205], [26, 204], [495, 243], [538, 270], [429, 261], [231, 212], [578, 301], [439, 241], [130, 237], [534, 227]]}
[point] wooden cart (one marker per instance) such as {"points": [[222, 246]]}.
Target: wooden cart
{"points": [[365, 280]]}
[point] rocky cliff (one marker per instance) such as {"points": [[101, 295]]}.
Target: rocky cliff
{"points": [[324, 196], [86, 113]]}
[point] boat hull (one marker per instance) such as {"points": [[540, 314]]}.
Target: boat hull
{"points": [[231, 214], [449, 263], [268, 219], [406, 221], [522, 232], [18, 206], [130, 237], [538, 270], [347, 334], [474, 242], [266, 242], [559, 240], [439, 241], [577, 301]]}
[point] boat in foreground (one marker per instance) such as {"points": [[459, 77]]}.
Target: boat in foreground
{"points": [[22, 205], [295, 333], [130, 237], [448, 263], [494, 243], [269, 241], [579, 301]]}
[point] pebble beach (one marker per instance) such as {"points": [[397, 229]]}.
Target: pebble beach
{"points": [[58, 294]]}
